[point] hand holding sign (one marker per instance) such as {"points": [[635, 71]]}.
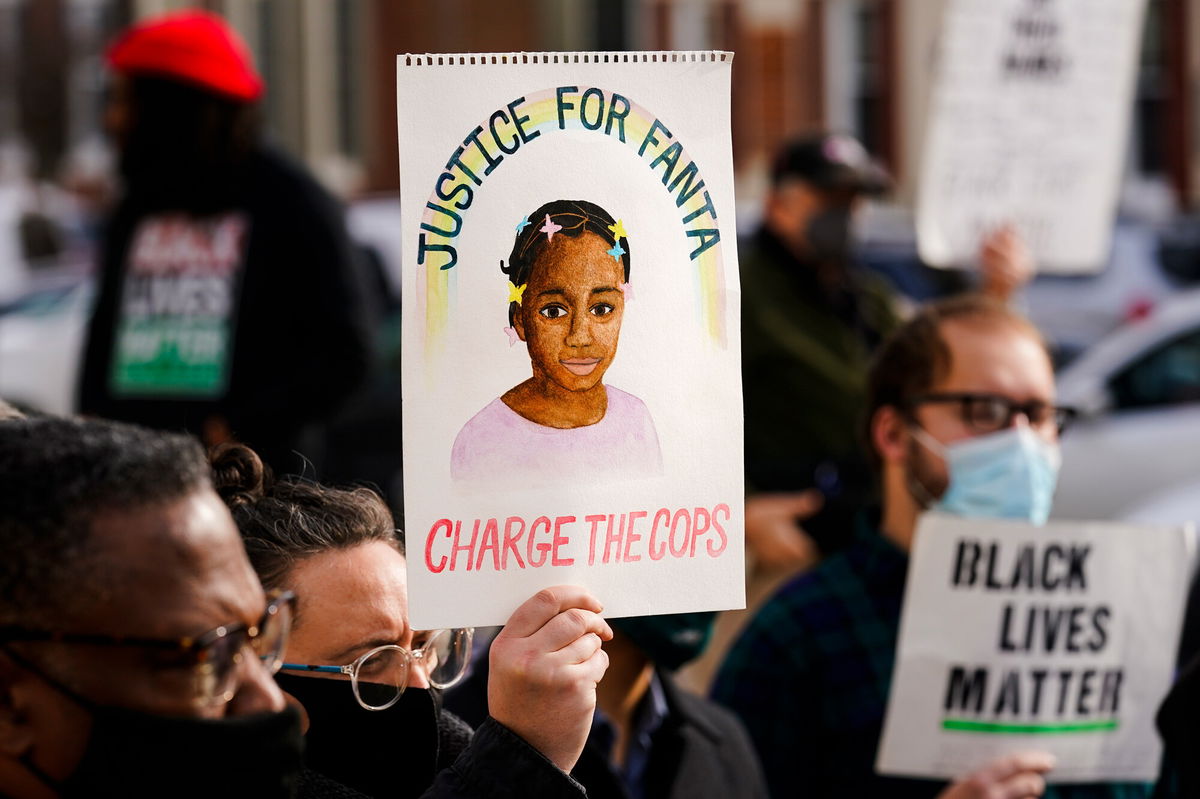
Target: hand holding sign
{"points": [[544, 668], [1015, 776]]}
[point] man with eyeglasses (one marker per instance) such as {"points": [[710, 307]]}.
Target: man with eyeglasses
{"points": [[962, 418], [137, 646]]}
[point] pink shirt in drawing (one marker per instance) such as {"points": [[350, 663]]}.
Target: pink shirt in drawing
{"points": [[498, 447]]}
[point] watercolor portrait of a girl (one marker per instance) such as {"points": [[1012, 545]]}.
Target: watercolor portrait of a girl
{"points": [[568, 286]]}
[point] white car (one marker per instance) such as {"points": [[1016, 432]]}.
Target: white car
{"points": [[1134, 453], [1073, 311], [41, 342]]}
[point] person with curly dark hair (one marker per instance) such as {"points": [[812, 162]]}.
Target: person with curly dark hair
{"points": [[370, 684], [568, 279]]}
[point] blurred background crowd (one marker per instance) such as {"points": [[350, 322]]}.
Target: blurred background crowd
{"points": [[858, 66], [139, 181]]}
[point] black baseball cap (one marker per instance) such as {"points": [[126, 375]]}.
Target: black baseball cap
{"points": [[830, 161]]}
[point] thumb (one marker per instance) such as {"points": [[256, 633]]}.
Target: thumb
{"points": [[806, 503]]}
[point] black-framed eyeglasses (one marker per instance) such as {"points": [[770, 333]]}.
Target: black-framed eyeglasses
{"points": [[985, 412], [214, 654], [379, 677]]}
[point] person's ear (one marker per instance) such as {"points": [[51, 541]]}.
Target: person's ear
{"points": [[519, 324], [889, 434], [16, 728]]}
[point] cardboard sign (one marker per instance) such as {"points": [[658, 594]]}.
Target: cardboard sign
{"points": [[572, 397], [1028, 122], [1059, 638]]}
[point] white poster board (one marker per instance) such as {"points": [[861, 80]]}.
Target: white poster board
{"points": [[1013, 637], [544, 197], [1028, 124]]}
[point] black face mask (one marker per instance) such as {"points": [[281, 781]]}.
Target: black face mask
{"points": [[382, 753], [828, 234], [134, 754]]}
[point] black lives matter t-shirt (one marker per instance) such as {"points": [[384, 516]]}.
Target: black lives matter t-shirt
{"points": [[177, 308]]}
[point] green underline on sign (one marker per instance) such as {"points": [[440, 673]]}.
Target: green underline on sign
{"points": [[997, 728]]}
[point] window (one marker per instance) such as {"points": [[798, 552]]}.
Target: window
{"points": [[859, 54], [1169, 375], [1153, 94]]}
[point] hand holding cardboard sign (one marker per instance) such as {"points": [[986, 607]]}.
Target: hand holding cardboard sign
{"points": [[545, 665], [1015, 776], [1005, 263]]}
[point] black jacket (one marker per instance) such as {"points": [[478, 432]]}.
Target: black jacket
{"points": [[300, 344], [701, 751], [1178, 723], [498, 764]]}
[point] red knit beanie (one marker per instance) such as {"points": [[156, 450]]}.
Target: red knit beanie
{"points": [[195, 47]]}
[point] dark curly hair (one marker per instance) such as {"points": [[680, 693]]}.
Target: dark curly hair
{"points": [[282, 522], [576, 218]]}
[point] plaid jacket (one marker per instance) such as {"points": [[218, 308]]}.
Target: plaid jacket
{"points": [[810, 677]]}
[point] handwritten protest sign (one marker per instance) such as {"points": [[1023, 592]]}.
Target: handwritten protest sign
{"points": [[1014, 637], [1028, 123], [555, 206]]}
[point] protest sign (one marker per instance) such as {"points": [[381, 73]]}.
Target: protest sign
{"points": [[553, 206], [1028, 121], [1015, 637]]}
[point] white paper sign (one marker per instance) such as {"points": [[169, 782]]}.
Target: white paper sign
{"points": [[1028, 122], [554, 206], [1013, 637]]}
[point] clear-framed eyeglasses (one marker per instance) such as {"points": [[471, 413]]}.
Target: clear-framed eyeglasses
{"points": [[379, 677]]}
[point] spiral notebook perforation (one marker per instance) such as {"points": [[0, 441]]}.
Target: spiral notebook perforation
{"points": [[647, 56]]}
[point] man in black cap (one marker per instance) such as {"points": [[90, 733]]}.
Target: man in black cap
{"points": [[810, 321], [809, 324]]}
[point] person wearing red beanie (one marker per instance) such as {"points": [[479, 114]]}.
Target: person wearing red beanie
{"points": [[230, 303], [195, 47]]}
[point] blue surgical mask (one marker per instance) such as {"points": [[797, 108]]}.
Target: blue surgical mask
{"points": [[1011, 474]]}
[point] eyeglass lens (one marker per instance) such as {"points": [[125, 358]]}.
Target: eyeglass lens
{"points": [[446, 657], [383, 673], [272, 637], [216, 674], [381, 676], [993, 413]]}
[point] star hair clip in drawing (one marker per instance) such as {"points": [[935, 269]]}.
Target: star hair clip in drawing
{"points": [[619, 232], [515, 293], [549, 228]]}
